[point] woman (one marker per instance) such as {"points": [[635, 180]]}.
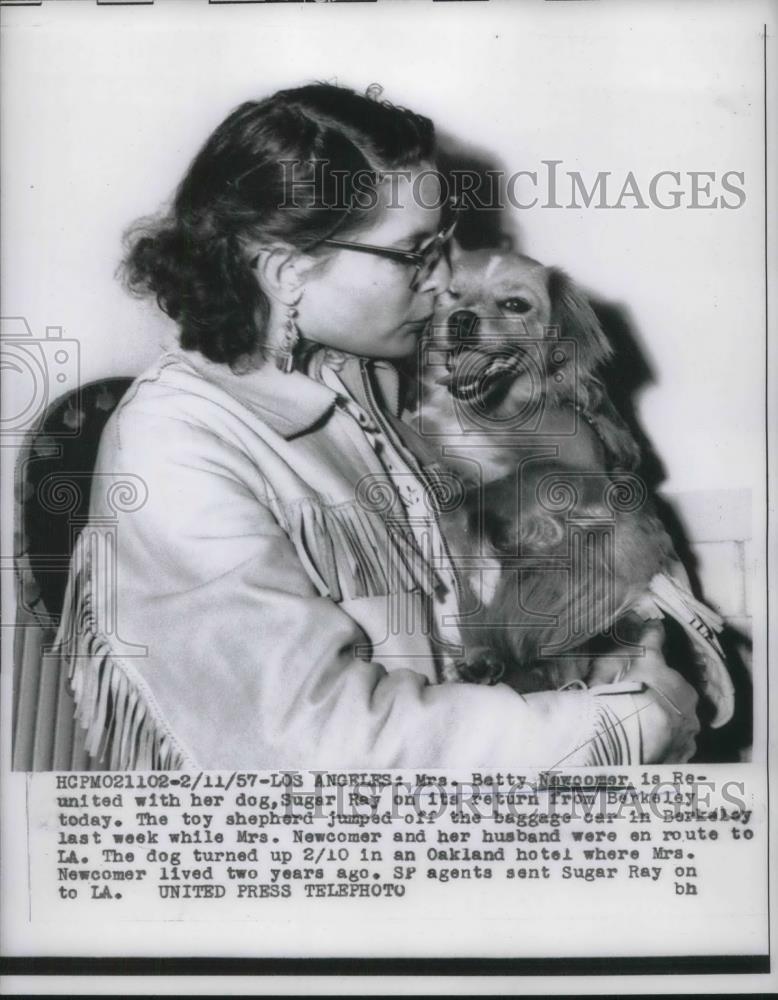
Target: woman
{"points": [[283, 597]]}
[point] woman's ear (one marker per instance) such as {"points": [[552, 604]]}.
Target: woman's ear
{"points": [[280, 271]]}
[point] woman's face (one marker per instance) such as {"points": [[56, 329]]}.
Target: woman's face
{"points": [[362, 303]]}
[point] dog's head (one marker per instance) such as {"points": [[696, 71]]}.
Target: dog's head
{"points": [[506, 317]]}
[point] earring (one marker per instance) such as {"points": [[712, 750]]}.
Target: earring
{"points": [[289, 342]]}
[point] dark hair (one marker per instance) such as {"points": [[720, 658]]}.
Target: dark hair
{"points": [[194, 258]]}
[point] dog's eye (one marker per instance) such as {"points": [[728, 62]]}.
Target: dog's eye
{"points": [[516, 305]]}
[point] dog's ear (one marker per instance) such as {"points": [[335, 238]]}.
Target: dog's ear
{"points": [[455, 253], [572, 313]]}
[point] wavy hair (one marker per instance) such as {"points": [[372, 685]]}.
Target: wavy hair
{"points": [[276, 169]]}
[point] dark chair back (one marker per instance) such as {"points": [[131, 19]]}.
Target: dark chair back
{"points": [[52, 486]]}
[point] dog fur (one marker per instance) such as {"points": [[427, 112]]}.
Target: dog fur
{"points": [[512, 400]]}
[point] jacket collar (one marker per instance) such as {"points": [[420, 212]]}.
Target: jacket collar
{"points": [[294, 403]]}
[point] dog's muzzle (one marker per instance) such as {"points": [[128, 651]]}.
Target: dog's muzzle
{"points": [[462, 326], [461, 334], [477, 370]]}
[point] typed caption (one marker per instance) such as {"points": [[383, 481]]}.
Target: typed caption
{"points": [[179, 844]]}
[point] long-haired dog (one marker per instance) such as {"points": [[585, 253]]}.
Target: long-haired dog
{"points": [[561, 553]]}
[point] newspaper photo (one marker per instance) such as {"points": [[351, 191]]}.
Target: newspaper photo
{"points": [[387, 468]]}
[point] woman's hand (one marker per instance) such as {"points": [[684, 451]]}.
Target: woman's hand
{"points": [[668, 706], [668, 715]]}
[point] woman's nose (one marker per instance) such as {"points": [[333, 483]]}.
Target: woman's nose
{"points": [[439, 277]]}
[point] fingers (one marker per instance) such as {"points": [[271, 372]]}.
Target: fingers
{"points": [[669, 683], [653, 636], [670, 723], [685, 748], [684, 744], [669, 704], [607, 669]]}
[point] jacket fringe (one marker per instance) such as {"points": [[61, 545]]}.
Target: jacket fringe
{"points": [[349, 552], [125, 730]]}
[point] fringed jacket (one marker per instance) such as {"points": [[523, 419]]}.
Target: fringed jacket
{"points": [[263, 584]]}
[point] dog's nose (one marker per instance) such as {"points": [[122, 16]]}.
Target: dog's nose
{"points": [[462, 324]]}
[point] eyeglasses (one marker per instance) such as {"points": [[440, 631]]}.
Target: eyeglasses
{"points": [[424, 261]]}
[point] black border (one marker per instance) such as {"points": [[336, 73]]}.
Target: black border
{"points": [[684, 965]]}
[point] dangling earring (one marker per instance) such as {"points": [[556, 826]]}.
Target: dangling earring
{"points": [[289, 342]]}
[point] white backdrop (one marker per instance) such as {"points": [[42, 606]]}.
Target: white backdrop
{"points": [[104, 107]]}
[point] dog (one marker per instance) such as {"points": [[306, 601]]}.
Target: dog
{"points": [[562, 556]]}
